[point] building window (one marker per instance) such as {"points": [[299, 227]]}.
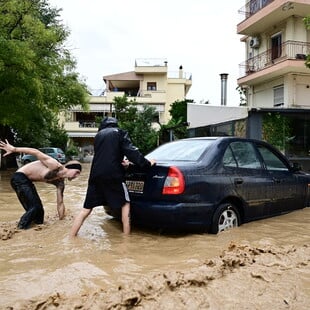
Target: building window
{"points": [[278, 96], [151, 86], [276, 46]]}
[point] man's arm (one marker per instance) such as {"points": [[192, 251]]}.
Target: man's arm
{"points": [[60, 187], [46, 160], [133, 153]]}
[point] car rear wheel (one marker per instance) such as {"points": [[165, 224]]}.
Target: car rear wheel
{"points": [[225, 217]]}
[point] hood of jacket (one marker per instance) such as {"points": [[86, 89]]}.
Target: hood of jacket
{"points": [[108, 122]]}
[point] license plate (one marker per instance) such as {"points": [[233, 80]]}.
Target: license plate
{"points": [[135, 186]]}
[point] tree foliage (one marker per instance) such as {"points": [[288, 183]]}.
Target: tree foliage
{"points": [[178, 110], [137, 123], [306, 21], [37, 77], [276, 130], [177, 125]]}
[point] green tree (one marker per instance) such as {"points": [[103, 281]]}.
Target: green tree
{"points": [[177, 125], [137, 123], [306, 21], [178, 110], [37, 72], [72, 150], [126, 111], [277, 130]]}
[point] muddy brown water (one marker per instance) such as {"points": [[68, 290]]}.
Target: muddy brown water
{"points": [[257, 265]]}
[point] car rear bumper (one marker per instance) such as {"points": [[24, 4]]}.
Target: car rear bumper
{"points": [[168, 217]]}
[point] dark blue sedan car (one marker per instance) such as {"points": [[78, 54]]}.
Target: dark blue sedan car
{"points": [[213, 184]]}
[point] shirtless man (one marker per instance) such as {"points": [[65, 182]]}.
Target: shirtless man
{"points": [[45, 169]]}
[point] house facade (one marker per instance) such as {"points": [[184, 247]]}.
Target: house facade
{"points": [[149, 84], [274, 77], [274, 80]]}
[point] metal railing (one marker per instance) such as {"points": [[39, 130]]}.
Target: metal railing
{"points": [[287, 50], [179, 75], [253, 6], [87, 124]]}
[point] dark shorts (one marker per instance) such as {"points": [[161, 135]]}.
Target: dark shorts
{"points": [[113, 194], [29, 198]]}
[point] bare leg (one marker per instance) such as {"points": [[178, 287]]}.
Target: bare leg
{"points": [[78, 221], [126, 218]]}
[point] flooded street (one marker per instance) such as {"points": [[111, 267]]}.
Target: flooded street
{"points": [[263, 264]]}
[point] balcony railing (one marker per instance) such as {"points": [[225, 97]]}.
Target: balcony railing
{"points": [[179, 75], [253, 6], [287, 50], [88, 124]]}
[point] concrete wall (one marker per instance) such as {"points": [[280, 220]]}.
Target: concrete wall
{"points": [[199, 115]]}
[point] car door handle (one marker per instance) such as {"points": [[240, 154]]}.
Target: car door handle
{"points": [[276, 180], [238, 181]]}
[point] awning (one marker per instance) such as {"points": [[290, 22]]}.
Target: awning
{"points": [[81, 134]]}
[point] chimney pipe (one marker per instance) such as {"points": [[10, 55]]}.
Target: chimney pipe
{"points": [[224, 88], [181, 72]]}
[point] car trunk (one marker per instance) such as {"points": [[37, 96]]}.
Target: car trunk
{"points": [[146, 184]]}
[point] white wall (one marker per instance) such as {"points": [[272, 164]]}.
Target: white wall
{"points": [[199, 115]]}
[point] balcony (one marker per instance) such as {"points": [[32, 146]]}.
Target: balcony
{"points": [[253, 6], [264, 14], [289, 56], [81, 129], [151, 65]]}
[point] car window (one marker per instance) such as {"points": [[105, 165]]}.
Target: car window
{"points": [[272, 161], [186, 150], [245, 155], [46, 150], [228, 159], [49, 151]]}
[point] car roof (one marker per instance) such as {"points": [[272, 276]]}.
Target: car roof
{"points": [[219, 139], [223, 138], [50, 147]]}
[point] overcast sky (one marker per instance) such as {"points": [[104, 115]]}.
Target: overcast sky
{"points": [[107, 36]]}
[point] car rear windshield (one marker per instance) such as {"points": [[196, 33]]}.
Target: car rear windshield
{"points": [[182, 150]]}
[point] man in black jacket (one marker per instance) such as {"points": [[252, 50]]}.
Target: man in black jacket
{"points": [[106, 184]]}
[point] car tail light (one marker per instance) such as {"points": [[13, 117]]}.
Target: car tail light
{"points": [[174, 183]]}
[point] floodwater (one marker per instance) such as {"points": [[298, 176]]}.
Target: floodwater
{"points": [[259, 265]]}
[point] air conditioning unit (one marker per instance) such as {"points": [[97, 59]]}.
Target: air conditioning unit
{"points": [[255, 42]]}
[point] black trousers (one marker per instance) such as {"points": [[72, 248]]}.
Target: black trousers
{"points": [[30, 200]]}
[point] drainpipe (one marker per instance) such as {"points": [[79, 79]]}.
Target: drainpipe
{"points": [[224, 88]]}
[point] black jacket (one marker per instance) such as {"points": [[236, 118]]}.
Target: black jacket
{"points": [[110, 146]]}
